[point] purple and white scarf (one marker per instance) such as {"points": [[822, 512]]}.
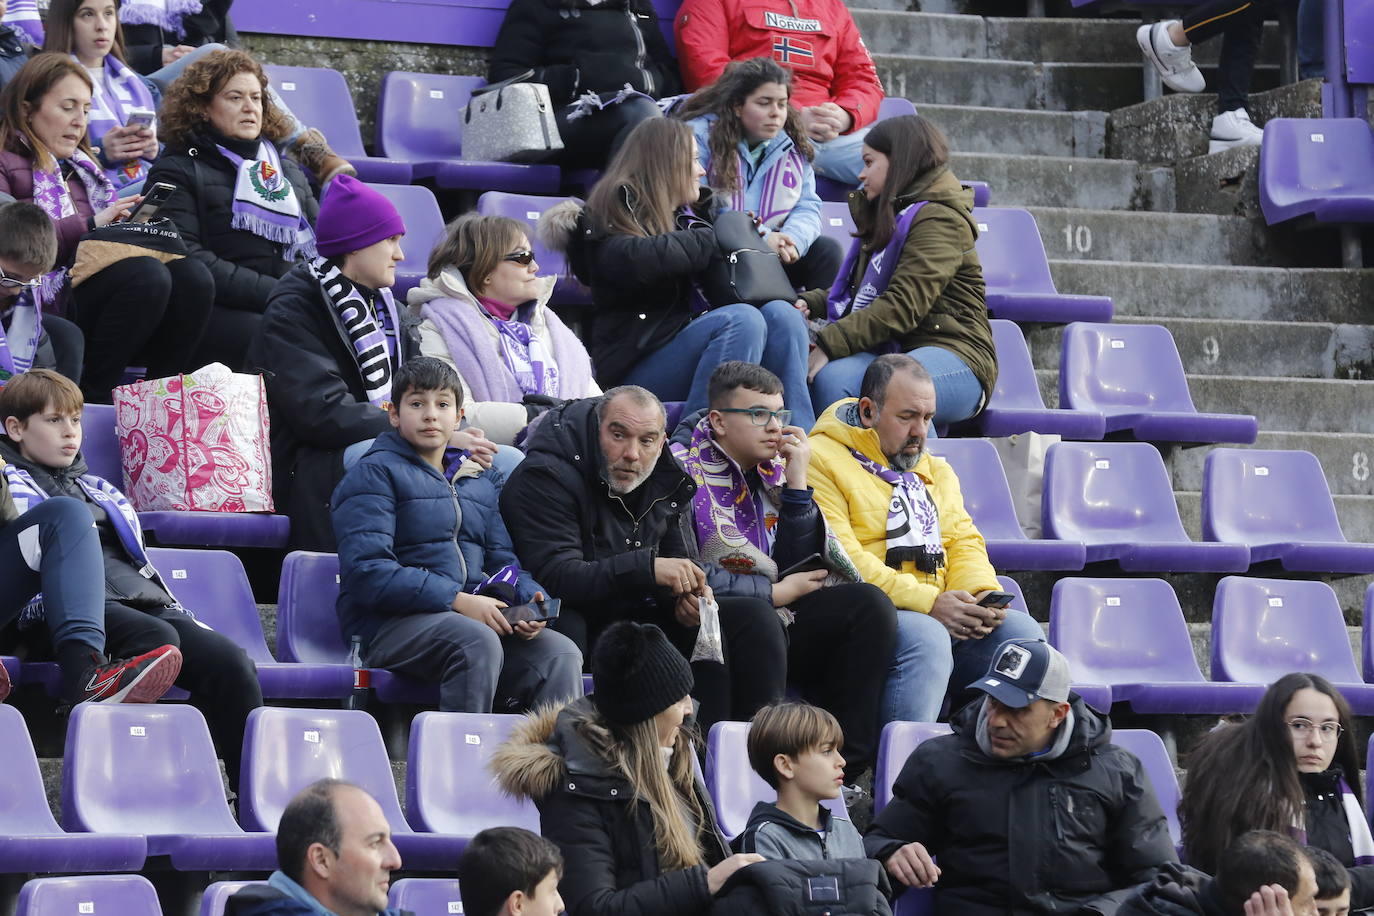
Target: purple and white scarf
{"points": [[844, 299], [50, 192], [1361, 840], [165, 14], [120, 91], [913, 522], [370, 328], [782, 188], [266, 205], [23, 15], [526, 356], [19, 335]]}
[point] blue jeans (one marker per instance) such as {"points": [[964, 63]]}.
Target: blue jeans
{"points": [[53, 548], [774, 336], [957, 390], [928, 662], [1311, 40], [841, 159]]}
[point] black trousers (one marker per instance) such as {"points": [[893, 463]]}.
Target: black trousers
{"points": [[817, 268], [839, 649], [140, 307], [68, 346], [591, 141], [216, 672], [227, 337], [1240, 23]]}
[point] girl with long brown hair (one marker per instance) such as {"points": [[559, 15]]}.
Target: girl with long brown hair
{"points": [[757, 158], [1291, 767], [912, 281], [641, 242]]}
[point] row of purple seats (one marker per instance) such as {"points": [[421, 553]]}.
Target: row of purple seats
{"points": [[421, 896]]}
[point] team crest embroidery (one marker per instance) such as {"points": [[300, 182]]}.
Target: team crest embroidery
{"points": [[267, 182]]}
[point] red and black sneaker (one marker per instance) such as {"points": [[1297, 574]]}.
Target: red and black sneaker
{"points": [[132, 680], [4, 683]]}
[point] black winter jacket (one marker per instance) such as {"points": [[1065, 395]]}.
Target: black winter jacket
{"points": [[1327, 828], [318, 402], [245, 266], [1176, 891], [610, 860], [13, 53], [143, 43], [574, 47], [806, 887], [642, 288], [588, 546], [1023, 836]]}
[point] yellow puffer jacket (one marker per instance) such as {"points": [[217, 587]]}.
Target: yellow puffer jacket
{"points": [[855, 503]]}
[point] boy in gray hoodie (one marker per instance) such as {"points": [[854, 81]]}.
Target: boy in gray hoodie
{"points": [[795, 747]]}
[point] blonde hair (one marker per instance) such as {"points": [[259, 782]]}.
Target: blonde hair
{"points": [[638, 194]]}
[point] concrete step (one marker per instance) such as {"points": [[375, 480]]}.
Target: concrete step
{"points": [[1272, 348], [1167, 238], [1081, 134], [1345, 458], [1020, 83], [1050, 181], [1244, 293], [1277, 403]]}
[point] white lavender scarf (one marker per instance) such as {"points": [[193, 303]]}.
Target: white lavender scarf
{"points": [[23, 15], [266, 205], [114, 96], [50, 192], [913, 522], [165, 14]]}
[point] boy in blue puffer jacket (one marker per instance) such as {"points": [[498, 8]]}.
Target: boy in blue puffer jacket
{"points": [[426, 564]]}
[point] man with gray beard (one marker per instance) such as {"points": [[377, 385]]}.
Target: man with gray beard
{"points": [[601, 514], [899, 513]]}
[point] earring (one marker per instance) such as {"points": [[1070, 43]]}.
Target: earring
{"points": [[487, 282]]}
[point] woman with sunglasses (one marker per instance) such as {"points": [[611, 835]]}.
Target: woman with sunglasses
{"points": [[1291, 767], [483, 309]]}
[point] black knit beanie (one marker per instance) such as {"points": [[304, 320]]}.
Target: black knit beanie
{"points": [[637, 673]]}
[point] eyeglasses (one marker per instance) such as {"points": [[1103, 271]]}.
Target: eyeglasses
{"points": [[8, 282], [761, 416], [1303, 728], [523, 258]]}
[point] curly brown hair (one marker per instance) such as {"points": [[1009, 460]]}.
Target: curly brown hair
{"points": [[184, 112]]}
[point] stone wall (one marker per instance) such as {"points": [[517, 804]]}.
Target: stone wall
{"points": [[364, 63]]}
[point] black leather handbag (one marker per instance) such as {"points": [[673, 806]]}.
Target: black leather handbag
{"points": [[745, 269]]}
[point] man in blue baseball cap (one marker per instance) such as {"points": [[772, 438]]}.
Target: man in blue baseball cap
{"points": [[1028, 805]]}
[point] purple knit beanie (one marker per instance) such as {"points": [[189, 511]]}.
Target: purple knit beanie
{"points": [[353, 216]]}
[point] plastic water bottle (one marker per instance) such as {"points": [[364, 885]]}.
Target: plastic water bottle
{"points": [[361, 678]]}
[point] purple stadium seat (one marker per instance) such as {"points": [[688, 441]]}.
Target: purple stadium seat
{"points": [[527, 209], [1279, 505], [151, 769], [987, 497], [1146, 745], [734, 786], [308, 628], [178, 528], [1130, 634], [426, 896], [836, 222], [420, 120], [1117, 499], [424, 229], [1317, 167], [1016, 405], [285, 750], [890, 107], [1017, 273], [448, 787], [30, 840], [1133, 375], [1098, 696], [217, 894], [898, 741], [214, 586], [319, 97], [1263, 629], [127, 895]]}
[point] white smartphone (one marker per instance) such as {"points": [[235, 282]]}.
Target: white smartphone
{"points": [[141, 118]]}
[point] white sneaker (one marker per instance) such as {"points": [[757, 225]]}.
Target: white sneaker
{"points": [[1234, 128], [1175, 64]]}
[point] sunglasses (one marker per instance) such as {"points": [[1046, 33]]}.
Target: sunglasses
{"points": [[523, 258], [8, 282]]}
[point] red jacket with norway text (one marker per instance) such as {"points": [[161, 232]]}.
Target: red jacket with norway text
{"points": [[816, 39]]}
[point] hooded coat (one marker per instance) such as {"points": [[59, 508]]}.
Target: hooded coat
{"points": [[1176, 891], [936, 296], [855, 504], [604, 830], [1028, 835]]}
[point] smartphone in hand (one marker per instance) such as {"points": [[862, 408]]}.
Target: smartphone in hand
{"points": [[153, 201], [996, 599]]}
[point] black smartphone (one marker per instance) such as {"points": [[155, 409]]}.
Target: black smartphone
{"points": [[996, 599], [534, 612], [152, 201], [810, 564]]}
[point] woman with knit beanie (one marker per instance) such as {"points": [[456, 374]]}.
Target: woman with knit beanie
{"points": [[612, 775]]}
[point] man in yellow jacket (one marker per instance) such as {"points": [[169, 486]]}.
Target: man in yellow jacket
{"points": [[900, 515]]}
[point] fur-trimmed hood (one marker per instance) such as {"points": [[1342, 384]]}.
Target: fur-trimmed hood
{"points": [[555, 743], [558, 223]]}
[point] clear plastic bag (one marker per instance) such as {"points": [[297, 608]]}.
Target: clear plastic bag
{"points": [[708, 647]]}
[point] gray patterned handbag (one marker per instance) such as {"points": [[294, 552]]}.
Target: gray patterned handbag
{"points": [[510, 121]]}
